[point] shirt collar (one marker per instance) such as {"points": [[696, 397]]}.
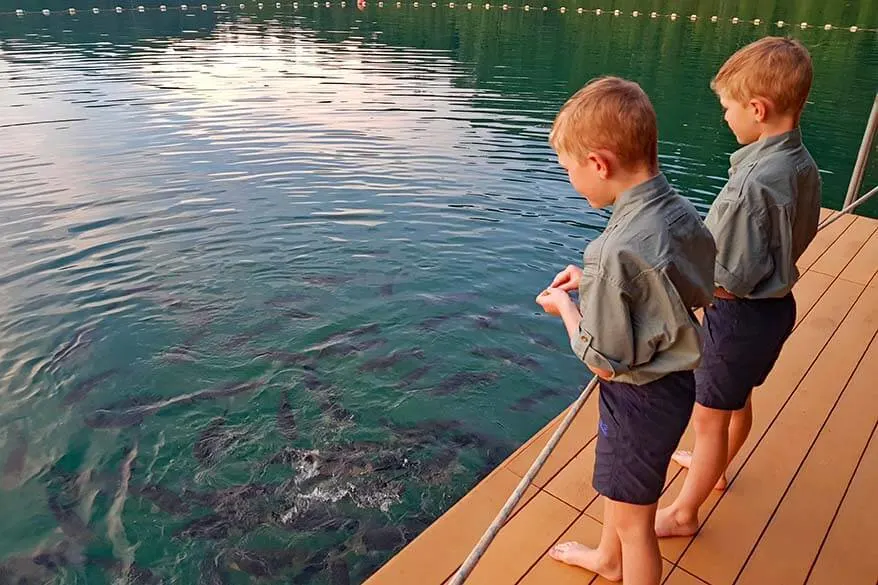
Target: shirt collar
{"points": [[766, 146], [636, 196]]}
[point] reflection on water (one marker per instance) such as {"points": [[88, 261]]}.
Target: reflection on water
{"points": [[267, 274]]}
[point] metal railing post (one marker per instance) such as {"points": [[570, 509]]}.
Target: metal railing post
{"points": [[863, 155]]}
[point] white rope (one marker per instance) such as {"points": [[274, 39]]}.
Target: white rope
{"points": [[856, 203], [526, 481]]}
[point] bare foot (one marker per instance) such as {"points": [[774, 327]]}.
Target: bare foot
{"points": [[573, 553], [668, 522], [684, 459]]}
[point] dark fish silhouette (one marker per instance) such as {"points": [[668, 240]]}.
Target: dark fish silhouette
{"points": [[485, 322], [460, 380], [286, 419], [284, 300], [15, 461], [327, 280], [413, 376], [383, 539], [349, 348], [386, 289], [351, 333], [211, 527], [540, 339], [339, 573], [528, 402], [71, 524], [266, 563], [80, 341], [381, 363], [288, 358], [298, 314], [82, 389], [433, 323], [213, 574], [107, 419], [214, 439], [507, 355], [231, 389], [163, 498]]}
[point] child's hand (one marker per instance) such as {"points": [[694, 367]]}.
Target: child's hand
{"points": [[552, 300], [568, 279]]}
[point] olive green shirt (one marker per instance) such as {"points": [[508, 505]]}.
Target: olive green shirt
{"points": [[641, 279], [765, 217]]}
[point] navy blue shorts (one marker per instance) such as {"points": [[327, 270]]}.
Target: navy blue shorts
{"points": [[742, 339], [639, 429]]}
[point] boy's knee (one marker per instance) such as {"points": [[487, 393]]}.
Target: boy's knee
{"points": [[634, 522], [708, 420]]}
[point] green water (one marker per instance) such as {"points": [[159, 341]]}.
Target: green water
{"points": [[193, 200]]}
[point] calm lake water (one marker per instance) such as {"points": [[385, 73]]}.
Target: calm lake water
{"points": [[267, 274]]}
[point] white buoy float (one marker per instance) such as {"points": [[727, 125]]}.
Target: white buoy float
{"points": [[96, 10], [71, 11], [757, 22], [260, 6], [653, 14], [827, 27], [780, 24], [617, 12], [579, 10], [487, 6], [469, 5], [183, 7], [204, 7], [804, 25], [735, 20], [415, 4], [141, 9], [163, 8], [46, 12], [562, 10], [854, 28], [451, 4], [545, 8], [635, 14], [714, 18], [433, 5], [118, 10], [597, 11], [673, 16], [693, 17], [223, 6], [19, 12]]}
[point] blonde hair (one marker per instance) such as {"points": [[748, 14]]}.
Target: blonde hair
{"points": [[774, 68], [612, 114]]}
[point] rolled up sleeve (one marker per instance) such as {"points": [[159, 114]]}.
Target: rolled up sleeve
{"points": [[606, 337], [743, 257]]}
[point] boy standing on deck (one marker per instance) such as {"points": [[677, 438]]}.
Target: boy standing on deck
{"points": [[634, 327], [762, 221]]}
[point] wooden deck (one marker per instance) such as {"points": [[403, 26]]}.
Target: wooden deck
{"points": [[799, 510]]}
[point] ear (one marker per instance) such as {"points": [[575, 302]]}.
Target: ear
{"points": [[760, 108], [602, 162]]}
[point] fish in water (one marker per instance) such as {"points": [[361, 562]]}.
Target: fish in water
{"points": [[442, 299], [413, 376], [383, 539], [339, 573], [381, 363], [80, 341], [349, 348], [265, 563], [213, 574], [460, 380], [231, 389], [327, 280], [298, 314], [82, 389], [288, 358], [71, 524], [210, 527], [432, 323], [285, 300], [485, 322], [540, 339], [286, 419], [107, 419], [163, 498], [214, 439], [528, 402], [508, 356], [367, 329], [15, 461]]}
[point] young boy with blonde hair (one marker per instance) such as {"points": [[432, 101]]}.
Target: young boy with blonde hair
{"points": [[762, 221], [634, 326]]}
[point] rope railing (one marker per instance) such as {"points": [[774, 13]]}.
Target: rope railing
{"points": [[672, 16]]}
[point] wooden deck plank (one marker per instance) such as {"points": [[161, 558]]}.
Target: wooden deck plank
{"points": [[573, 483], [584, 425], [440, 549], [789, 546], [864, 266], [846, 247], [547, 570], [681, 577], [848, 555], [800, 351], [730, 533], [824, 239], [523, 540], [809, 289]]}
